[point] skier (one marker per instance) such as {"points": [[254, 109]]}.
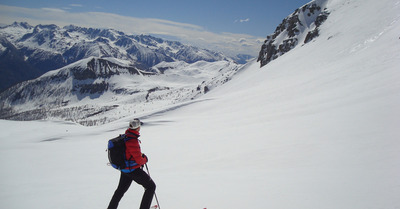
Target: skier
{"points": [[135, 171]]}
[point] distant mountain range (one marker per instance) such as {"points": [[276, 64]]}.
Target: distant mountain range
{"points": [[26, 51]]}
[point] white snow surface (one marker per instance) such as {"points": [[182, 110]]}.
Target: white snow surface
{"points": [[316, 128]]}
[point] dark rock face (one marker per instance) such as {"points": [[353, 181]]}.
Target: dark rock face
{"points": [[291, 31], [100, 68], [95, 88], [14, 67]]}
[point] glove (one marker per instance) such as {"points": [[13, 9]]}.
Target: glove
{"points": [[144, 156]]}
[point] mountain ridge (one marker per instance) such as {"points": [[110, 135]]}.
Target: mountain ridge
{"points": [[49, 47]]}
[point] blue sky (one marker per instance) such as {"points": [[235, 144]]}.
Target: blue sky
{"points": [[207, 23]]}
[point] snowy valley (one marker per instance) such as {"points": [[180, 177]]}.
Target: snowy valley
{"points": [[316, 127], [95, 76]]}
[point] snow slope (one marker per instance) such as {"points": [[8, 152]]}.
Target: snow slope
{"points": [[315, 128]]}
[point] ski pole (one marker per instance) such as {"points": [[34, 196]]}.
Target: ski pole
{"points": [[155, 195]]}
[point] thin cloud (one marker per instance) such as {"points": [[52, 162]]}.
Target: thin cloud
{"points": [[53, 10], [72, 5], [229, 43], [76, 5], [242, 20]]}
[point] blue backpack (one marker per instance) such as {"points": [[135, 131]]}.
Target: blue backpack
{"points": [[116, 152]]}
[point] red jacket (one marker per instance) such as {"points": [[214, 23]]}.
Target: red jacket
{"points": [[133, 152]]}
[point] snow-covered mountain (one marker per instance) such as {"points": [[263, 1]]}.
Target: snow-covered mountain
{"points": [[97, 71], [49, 47], [95, 90], [315, 128], [299, 28]]}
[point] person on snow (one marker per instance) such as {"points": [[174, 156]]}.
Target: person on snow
{"points": [[134, 172]]}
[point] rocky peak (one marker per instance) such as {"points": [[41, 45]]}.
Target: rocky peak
{"points": [[301, 26], [24, 25], [96, 68]]}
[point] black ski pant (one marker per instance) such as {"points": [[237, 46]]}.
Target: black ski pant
{"points": [[140, 177]]}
